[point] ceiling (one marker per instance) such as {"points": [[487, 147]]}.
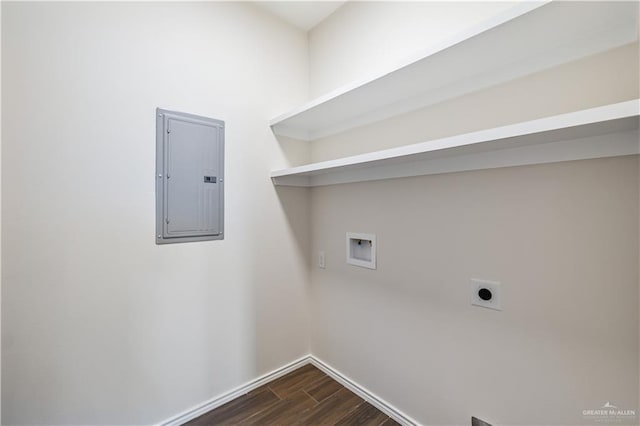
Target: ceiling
{"points": [[303, 14]]}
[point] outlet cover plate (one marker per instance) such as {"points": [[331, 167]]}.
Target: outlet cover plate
{"points": [[361, 250], [496, 295]]}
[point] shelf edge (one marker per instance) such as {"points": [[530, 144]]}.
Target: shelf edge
{"points": [[307, 174]]}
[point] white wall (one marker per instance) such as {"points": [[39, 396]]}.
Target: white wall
{"points": [[0, 221], [562, 238], [365, 38], [100, 325]]}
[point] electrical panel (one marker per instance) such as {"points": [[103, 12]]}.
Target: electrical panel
{"points": [[189, 178]]}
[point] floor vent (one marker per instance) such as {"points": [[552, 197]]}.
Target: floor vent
{"points": [[478, 422]]}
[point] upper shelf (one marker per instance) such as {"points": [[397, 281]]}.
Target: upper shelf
{"points": [[606, 131], [530, 37]]}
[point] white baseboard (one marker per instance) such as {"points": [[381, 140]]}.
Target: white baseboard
{"points": [[222, 399], [354, 387]]}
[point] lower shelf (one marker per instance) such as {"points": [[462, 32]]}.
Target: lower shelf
{"points": [[606, 131]]}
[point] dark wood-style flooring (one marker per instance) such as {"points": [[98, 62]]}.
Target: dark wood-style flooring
{"points": [[306, 396]]}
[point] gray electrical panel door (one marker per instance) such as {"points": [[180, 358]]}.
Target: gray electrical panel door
{"points": [[189, 177]]}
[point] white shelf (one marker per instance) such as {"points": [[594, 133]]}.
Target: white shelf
{"points": [[530, 37], [605, 131]]}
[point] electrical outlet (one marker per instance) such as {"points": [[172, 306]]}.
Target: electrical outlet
{"points": [[321, 263], [486, 294]]}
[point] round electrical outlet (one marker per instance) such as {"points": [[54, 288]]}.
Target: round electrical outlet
{"points": [[485, 294]]}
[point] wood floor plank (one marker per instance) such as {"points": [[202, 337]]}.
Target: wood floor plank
{"points": [[332, 409], [285, 412], [296, 380], [390, 422], [364, 414], [323, 388], [238, 410], [259, 389]]}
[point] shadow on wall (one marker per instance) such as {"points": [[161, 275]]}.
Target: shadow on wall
{"points": [[295, 203], [280, 277], [295, 151]]}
